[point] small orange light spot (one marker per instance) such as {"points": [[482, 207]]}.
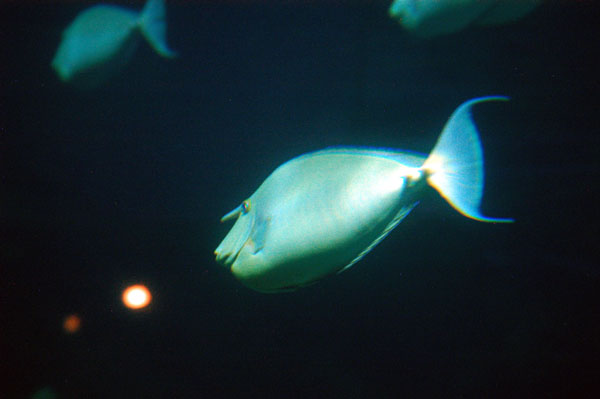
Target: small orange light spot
{"points": [[136, 296], [71, 324]]}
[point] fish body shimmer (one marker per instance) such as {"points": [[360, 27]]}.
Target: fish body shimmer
{"points": [[321, 212]]}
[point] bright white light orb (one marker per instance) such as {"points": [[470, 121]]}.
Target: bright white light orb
{"points": [[136, 296]]}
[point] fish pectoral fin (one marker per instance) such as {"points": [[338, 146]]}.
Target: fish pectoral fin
{"points": [[397, 219], [261, 224]]}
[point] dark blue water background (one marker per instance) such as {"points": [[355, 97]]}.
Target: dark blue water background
{"points": [[127, 183]]}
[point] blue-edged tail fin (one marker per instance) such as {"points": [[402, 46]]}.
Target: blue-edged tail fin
{"points": [[153, 25], [455, 165]]}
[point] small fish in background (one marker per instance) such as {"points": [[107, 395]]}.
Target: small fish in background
{"points": [[429, 18], [102, 39], [321, 212]]}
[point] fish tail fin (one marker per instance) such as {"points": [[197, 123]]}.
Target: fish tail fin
{"points": [[153, 25], [455, 166]]}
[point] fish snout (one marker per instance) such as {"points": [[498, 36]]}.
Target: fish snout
{"points": [[224, 258]]}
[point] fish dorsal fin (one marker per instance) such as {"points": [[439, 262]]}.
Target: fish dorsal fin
{"points": [[397, 219]]}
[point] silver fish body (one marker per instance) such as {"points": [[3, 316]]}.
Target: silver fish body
{"points": [[320, 213]]}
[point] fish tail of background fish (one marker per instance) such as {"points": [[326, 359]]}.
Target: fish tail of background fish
{"points": [[455, 165], [153, 25]]}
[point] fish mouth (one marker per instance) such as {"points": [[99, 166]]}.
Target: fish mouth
{"points": [[227, 252], [227, 258]]}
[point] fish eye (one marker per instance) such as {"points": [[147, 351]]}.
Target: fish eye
{"points": [[245, 206]]}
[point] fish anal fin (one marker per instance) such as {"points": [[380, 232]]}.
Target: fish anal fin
{"points": [[397, 219]]}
